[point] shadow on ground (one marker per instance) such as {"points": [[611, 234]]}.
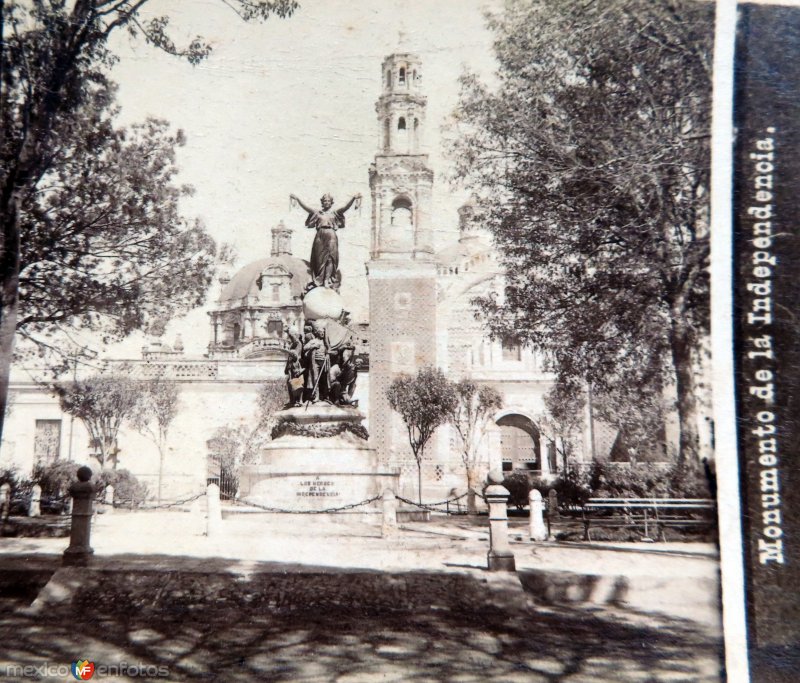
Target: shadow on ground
{"points": [[221, 620]]}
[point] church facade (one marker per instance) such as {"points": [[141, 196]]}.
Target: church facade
{"points": [[421, 313]]}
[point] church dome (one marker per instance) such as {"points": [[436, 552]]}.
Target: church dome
{"points": [[245, 283]]}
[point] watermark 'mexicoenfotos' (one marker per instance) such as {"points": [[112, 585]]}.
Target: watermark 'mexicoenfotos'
{"points": [[83, 670]]}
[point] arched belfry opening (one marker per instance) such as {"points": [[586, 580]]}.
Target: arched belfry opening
{"points": [[520, 443], [401, 123], [402, 75], [402, 212]]}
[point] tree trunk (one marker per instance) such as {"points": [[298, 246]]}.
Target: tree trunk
{"points": [[680, 340], [419, 480], [160, 471], [9, 296], [21, 172], [472, 508]]}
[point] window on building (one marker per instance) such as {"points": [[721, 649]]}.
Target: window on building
{"points": [[511, 350], [389, 78], [402, 75], [275, 328], [47, 441], [401, 123], [276, 292], [387, 135], [508, 466]]}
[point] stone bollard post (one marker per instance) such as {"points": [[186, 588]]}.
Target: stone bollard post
{"points": [[5, 501], [389, 526], [500, 556], [35, 503], [82, 491], [536, 505], [108, 499], [213, 511], [552, 512]]}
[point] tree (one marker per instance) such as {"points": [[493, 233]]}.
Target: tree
{"points": [[234, 447], [52, 59], [592, 168], [271, 399], [424, 402], [153, 414], [104, 224], [102, 403], [471, 414]]}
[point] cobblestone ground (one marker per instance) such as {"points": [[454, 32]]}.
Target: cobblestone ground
{"points": [[320, 625]]}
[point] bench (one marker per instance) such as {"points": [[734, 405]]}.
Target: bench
{"points": [[649, 515]]}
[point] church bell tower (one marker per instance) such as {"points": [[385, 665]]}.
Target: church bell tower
{"points": [[401, 272]]}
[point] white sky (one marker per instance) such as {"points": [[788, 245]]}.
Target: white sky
{"points": [[289, 106]]}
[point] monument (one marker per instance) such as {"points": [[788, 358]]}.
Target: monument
{"points": [[319, 456]]}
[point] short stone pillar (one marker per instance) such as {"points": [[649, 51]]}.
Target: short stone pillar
{"points": [[500, 556], [536, 506], [108, 499], [82, 491], [213, 511], [389, 525], [5, 501], [35, 503], [552, 512]]}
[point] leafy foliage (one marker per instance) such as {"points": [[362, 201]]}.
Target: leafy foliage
{"points": [[271, 399], [609, 480], [471, 414], [55, 478], [233, 447], [53, 61], [102, 403], [104, 246], [424, 402], [592, 167], [519, 485], [156, 408], [128, 490], [573, 487]]}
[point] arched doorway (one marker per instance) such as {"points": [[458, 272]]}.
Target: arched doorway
{"points": [[520, 445]]}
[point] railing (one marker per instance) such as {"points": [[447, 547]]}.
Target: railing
{"points": [[650, 515]]}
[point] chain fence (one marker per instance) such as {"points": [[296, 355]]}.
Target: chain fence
{"points": [[432, 507], [442, 506], [267, 508], [132, 505]]}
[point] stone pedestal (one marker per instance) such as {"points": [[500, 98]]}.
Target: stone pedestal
{"points": [[538, 531], [319, 459], [82, 491], [500, 556], [213, 511]]}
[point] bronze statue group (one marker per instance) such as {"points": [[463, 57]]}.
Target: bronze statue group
{"points": [[316, 369]]}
